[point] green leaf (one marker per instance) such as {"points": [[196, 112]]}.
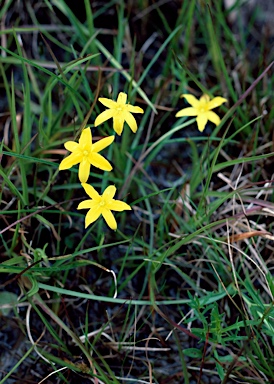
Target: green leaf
{"points": [[193, 352], [7, 301]]}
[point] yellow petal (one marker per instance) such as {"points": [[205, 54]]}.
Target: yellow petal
{"points": [[118, 124], [110, 219], [104, 116], [91, 192], [108, 102], [71, 146], [204, 99], [122, 98], [191, 100], [101, 144], [201, 121], [133, 109], [99, 161], [71, 160], [187, 112], [131, 121], [213, 117], [87, 204], [85, 140], [216, 102], [109, 192], [92, 216], [117, 205], [84, 169]]}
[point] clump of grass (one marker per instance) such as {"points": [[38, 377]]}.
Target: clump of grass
{"points": [[183, 290]]}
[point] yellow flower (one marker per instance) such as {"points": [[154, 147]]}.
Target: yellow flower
{"points": [[86, 154], [120, 111], [102, 205], [202, 109]]}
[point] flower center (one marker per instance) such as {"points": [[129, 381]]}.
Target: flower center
{"points": [[102, 203], [203, 108], [120, 108], [85, 153]]}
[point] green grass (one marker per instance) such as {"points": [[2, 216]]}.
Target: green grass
{"points": [[183, 291]]}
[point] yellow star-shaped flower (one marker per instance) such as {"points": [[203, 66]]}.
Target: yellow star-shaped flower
{"points": [[86, 154], [202, 109], [120, 111], [102, 205]]}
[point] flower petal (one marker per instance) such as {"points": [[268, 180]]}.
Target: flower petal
{"points": [[104, 116], [187, 112], [133, 109], [103, 143], [109, 192], [213, 117], [108, 102], [201, 121], [110, 219], [117, 205], [84, 169], [122, 98], [118, 124], [131, 121], [71, 146], [204, 99], [71, 160], [92, 215], [216, 102], [87, 204], [99, 161], [191, 100], [91, 192], [85, 140]]}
